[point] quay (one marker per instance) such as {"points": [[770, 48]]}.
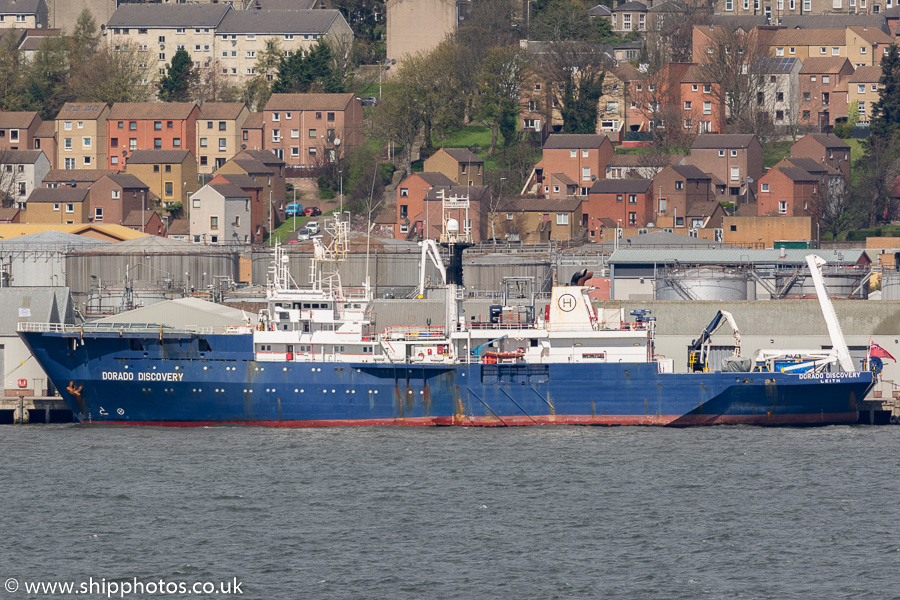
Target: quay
{"points": [[22, 410]]}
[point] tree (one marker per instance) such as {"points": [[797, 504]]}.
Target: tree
{"points": [[558, 20], [12, 79], [398, 116], [573, 73], [881, 164], [85, 38], [259, 88], [48, 77], [832, 207], [175, 85], [114, 76], [311, 71], [435, 87], [497, 97]]}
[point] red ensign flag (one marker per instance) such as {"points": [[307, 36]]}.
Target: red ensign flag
{"points": [[879, 352]]}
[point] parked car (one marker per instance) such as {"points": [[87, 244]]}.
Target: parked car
{"points": [[304, 234], [369, 101], [294, 210], [312, 211], [313, 226]]}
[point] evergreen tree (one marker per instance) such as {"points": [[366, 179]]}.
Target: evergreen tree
{"points": [[175, 85], [307, 72], [85, 38], [579, 105]]}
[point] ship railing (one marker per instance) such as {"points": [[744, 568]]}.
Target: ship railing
{"points": [[53, 327], [400, 332], [502, 326]]}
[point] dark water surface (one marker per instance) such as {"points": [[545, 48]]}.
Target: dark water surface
{"points": [[544, 512]]}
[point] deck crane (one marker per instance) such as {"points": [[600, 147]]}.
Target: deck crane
{"points": [[698, 351]]}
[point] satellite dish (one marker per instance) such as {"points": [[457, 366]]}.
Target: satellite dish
{"points": [[73, 183], [337, 141], [243, 146]]}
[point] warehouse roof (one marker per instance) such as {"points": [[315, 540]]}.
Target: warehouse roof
{"points": [[734, 256]]}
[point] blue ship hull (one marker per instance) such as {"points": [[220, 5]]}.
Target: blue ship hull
{"points": [[184, 379]]}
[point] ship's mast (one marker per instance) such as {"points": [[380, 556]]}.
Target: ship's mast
{"points": [[456, 237], [328, 279]]}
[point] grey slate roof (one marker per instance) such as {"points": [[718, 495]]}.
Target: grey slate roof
{"points": [[620, 186], [797, 174], [690, 172], [278, 21], [577, 141], [20, 7], [168, 15], [631, 6], [242, 181], [736, 256], [58, 195], [128, 181], [229, 190], [723, 140], [157, 157], [463, 155], [829, 140], [309, 101], [599, 11], [434, 178], [20, 157]]}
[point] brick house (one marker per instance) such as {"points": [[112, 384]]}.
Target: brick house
{"points": [[786, 191], [820, 79], [311, 129], [461, 165], [825, 148], [171, 175], [612, 106], [702, 111], [641, 166], [628, 202], [148, 222], [676, 188], [66, 206], [114, 196], [866, 45], [45, 139], [258, 212], [81, 132], [531, 220], [581, 158], [219, 131], [272, 198], [411, 195], [735, 159], [807, 43], [17, 130], [135, 126], [252, 132]]}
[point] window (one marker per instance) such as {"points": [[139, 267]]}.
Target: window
{"points": [[132, 125], [862, 108], [330, 116], [835, 51], [203, 142], [251, 53], [157, 143], [632, 219], [170, 188], [312, 134], [826, 79], [782, 207], [721, 154], [116, 194], [404, 192], [295, 133], [812, 78], [586, 173], [806, 115], [823, 50], [792, 50], [862, 50], [729, 5], [67, 143], [779, 51], [86, 160], [707, 88], [874, 87], [612, 107], [70, 208], [572, 154], [176, 143], [687, 105], [22, 189], [779, 96], [276, 135], [56, 207], [626, 21], [694, 87], [735, 174], [67, 125], [861, 89], [707, 108], [223, 144], [679, 185], [734, 154], [779, 115], [562, 219], [688, 123], [619, 197], [168, 168], [632, 198], [806, 96], [213, 223], [764, 188], [662, 205], [584, 154], [196, 203]]}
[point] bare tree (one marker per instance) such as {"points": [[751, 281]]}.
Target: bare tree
{"points": [[832, 207], [10, 177], [573, 73], [115, 76]]}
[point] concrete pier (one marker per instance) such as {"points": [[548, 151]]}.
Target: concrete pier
{"points": [[34, 409]]}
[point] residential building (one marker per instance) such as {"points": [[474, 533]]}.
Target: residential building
{"points": [[10, 215], [864, 89], [267, 218], [786, 191], [115, 196], [17, 130], [171, 175], [866, 45], [252, 132], [699, 101], [804, 44], [735, 159], [411, 195], [242, 36], [147, 221], [531, 220], [779, 98], [179, 229], [642, 166], [825, 148], [277, 172], [220, 214], [675, 189], [34, 39], [24, 14], [81, 131], [628, 17], [21, 171], [461, 165], [582, 158], [820, 80], [133, 126], [45, 139], [311, 129], [219, 130], [160, 30], [259, 213], [787, 12], [627, 202], [612, 106], [58, 178], [657, 97], [66, 206]]}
